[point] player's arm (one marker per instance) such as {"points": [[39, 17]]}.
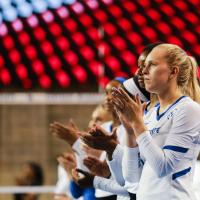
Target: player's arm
{"points": [[180, 143]]}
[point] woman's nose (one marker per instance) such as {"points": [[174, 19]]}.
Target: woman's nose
{"points": [[145, 70]]}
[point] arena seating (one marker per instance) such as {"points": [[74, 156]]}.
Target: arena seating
{"points": [[49, 44]]}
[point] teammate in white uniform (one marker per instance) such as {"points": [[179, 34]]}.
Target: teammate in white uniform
{"points": [[117, 186], [167, 139], [132, 86]]}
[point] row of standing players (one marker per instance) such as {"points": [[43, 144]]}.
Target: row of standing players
{"points": [[147, 149]]}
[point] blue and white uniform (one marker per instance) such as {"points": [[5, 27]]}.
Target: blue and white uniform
{"points": [[169, 152], [119, 185]]}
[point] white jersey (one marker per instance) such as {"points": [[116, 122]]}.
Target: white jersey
{"points": [[98, 192], [102, 192], [196, 182], [62, 185], [114, 184], [168, 150]]}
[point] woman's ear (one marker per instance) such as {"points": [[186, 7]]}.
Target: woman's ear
{"points": [[174, 71]]}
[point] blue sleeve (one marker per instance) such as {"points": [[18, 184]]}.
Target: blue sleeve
{"points": [[89, 194], [76, 191]]}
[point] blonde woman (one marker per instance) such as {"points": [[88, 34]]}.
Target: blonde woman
{"points": [[163, 145]]}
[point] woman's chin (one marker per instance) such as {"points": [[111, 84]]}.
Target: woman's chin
{"points": [[149, 88]]}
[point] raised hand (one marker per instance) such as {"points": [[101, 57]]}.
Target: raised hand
{"points": [[130, 110], [98, 138], [73, 125], [91, 151], [68, 161], [66, 132], [97, 167], [82, 178]]}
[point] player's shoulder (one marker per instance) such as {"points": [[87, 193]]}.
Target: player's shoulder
{"points": [[188, 107]]}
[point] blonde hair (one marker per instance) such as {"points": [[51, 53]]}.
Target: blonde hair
{"points": [[187, 78]]}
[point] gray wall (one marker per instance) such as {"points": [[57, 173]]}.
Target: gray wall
{"points": [[24, 135]]}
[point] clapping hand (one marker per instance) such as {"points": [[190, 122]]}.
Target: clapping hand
{"points": [[130, 111], [67, 161], [68, 132], [99, 138], [97, 167], [82, 178]]}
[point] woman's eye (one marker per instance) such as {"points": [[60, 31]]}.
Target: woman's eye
{"points": [[152, 64]]}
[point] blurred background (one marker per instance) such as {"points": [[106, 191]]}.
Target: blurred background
{"points": [[56, 56]]}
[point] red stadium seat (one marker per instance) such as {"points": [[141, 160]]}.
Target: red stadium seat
{"points": [[153, 14], [54, 62], [178, 23], [101, 16], [78, 38], [129, 6], [2, 62], [190, 37], [62, 78], [93, 34], [181, 5], [47, 47], [5, 76], [139, 19], [121, 74], [134, 38], [96, 68], [8, 42], [14, 56], [87, 52], [70, 25], [55, 29], [80, 74], [71, 57], [103, 81], [164, 28], [119, 43], [104, 49], [167, 10], [128, 57], [145, 3], [39, 33], [125, 24], [149, 33], [192, 18], [31, 52], [24, 38], [174, 40], [109, 29], [38, 67], [45, 81], [21, 71], [113, 63], [85, 20], [63, 43], [115, 11]]}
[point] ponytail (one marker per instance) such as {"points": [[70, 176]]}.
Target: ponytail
{"points": [[193, 88]]}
